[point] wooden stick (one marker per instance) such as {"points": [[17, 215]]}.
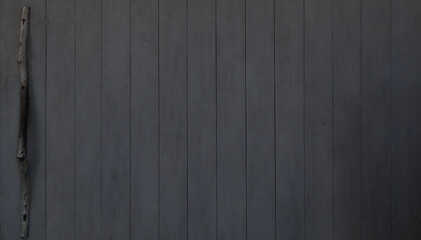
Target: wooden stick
{"points": [[23, 120]]}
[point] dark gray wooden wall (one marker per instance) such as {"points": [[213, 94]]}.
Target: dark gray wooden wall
{"points": [[216, 119]]}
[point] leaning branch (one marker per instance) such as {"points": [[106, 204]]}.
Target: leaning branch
{"points": [[23, 120]]}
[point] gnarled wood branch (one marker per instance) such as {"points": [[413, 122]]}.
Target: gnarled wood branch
{"points": [[23, 120]]}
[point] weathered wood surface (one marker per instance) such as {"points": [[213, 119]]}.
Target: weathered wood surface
{"points": [[347, 118], [289, 110], [231, 120], [375, 93], [201, 120], [115, 120], [60, 120], [36, 118], [144, 120], [88, 120], [173, 123], [237, 119], [10, 191], [318, 121], [405, 118], [22, 151], [260, 126]]}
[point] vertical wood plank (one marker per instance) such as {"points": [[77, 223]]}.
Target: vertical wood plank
{"points": [[260, 119], [36, 121], [201, 120], [144, 119], [405, 119], [347, 119], [376, 168], [60, 205], [10, 194], [289, 95], [173, 119], [88, 120], [318, 120], [231, 139], [115, 119]]}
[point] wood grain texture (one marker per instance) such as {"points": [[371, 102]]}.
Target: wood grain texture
{"points": [[36, 121], [201, 120], [260, 120], [405, 119], [144, 120], [318, 120], [347, 119], [60, 187], [88, 120], [116, 120], [10, 193], [231, 139], [173, 120], [23, 121], [289, 107], [376, 168]]}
